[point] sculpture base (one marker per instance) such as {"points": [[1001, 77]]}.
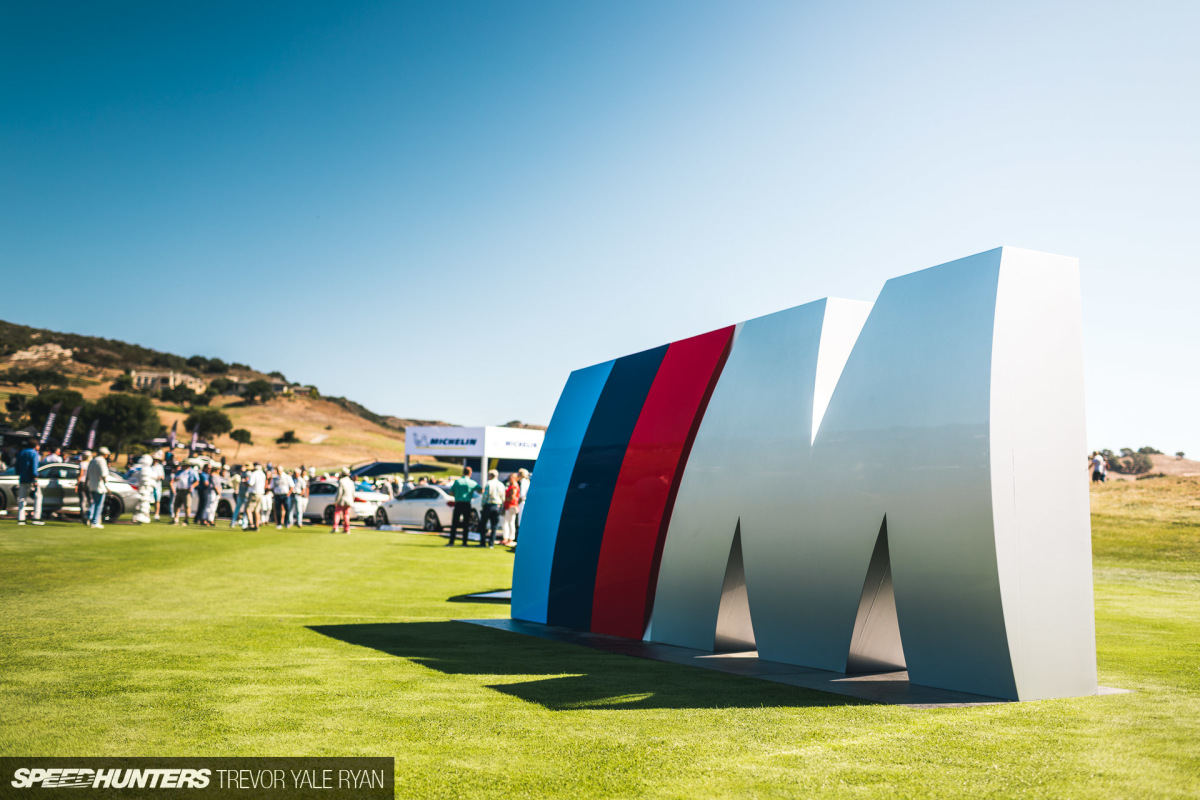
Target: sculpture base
{"points": [[890, 688]]}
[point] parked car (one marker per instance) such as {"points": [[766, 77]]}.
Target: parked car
{"points": [[57, 483], [320, 502], [429, 507]]}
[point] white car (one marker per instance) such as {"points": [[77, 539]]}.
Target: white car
{"points": [[320, 502], [428, 507]]}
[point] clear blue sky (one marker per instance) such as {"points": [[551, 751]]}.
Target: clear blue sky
{"points": [[440, 209]]}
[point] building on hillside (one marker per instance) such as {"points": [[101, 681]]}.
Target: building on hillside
{"points": [[158, 380]]}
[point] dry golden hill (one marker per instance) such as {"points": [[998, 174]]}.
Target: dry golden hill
{"points": [[327, 434], [1164, 465]]}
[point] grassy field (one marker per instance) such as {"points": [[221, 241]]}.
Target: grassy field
{"points": [[164, 641]]}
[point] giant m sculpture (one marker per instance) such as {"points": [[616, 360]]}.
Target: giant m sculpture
{"points": [[843, 486]]}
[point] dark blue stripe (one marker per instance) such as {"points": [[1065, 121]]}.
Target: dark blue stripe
{"points": [[585, 510]]}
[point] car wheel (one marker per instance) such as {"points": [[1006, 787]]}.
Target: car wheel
{"points": [[432, 523], [112, 509], [224, 510], [473, 521], [381, 518], [328, 515]]}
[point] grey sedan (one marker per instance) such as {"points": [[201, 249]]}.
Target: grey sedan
{"points": [[57, 483]]}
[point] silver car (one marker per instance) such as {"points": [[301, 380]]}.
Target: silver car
{"points": [[57, 483]]}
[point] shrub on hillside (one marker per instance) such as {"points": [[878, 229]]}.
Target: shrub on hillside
{"points": [[289, 437]]}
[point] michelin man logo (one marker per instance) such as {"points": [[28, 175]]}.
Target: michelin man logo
{"points": [[845, 486]]}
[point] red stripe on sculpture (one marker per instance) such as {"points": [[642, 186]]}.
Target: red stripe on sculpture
{"points": [[644, 496]]}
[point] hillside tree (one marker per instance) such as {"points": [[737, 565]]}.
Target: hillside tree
{"points": [[39, 379], [258, 390], [208, 422], [241, 436], [17, 415], [125, 418]]}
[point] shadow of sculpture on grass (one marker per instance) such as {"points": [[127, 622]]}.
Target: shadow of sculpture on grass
{"points": [[478, 597], [576, 678]]}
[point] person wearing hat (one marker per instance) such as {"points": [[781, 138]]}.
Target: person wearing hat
{"points": [[157, 476], [299, 497], [97, 481], [342, 502], [237, 483], [28, 461], [256, 484], [81, 487]]}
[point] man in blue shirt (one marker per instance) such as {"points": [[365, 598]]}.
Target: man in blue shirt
{"points": [[28, 462], [463, 490]]}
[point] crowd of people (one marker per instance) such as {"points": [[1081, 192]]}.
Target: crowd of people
{"points": [[189, 493], [502, 506]]}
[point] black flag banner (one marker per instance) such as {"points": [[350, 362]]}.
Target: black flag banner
{"points": [[49, 423], [91, 440], [66, 442]]}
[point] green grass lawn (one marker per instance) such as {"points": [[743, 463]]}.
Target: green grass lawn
{"points": [[163, 641]]}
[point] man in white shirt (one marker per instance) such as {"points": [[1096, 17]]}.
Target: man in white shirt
{"points": [[54, 456], [97, 481], [256, 484], [489, 518], [282, 487], [299, 497]]}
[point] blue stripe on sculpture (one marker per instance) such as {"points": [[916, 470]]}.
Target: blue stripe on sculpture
{"points": [[581, 528], [548, 490]]}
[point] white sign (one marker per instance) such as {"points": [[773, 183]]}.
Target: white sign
{"points": [[490, 442]]}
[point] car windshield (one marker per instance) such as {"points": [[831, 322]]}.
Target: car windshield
{"points": [[9, 471]]}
